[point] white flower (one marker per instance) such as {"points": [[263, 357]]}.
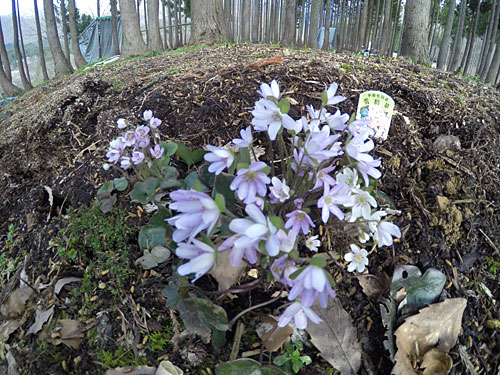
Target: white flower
{"points": [[358, 259], [121, 123], [246, 138], [106, 166], [273, 90], [286, 241], [312, 243], [332, 98], [268, 117], [384, 233], [349, 177], [147, 115], [363, 202], [300, 314], [279, 190], [219, 159], [201, 258]]}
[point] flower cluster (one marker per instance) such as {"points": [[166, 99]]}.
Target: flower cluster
{"points": [[135, 146], [325, 174]]}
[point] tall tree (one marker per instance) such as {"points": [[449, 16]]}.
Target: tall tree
{"points": [[114, 26], [256, 21], [61, 65], [456, 49], [6, 84], [40, 43], [176, 23], [489, 44], [314, 23], [290, 23], [443, 50], [342, 28], [415, 43], [24, 80], [363, 24], [164, 17], [132, 41], [228, 18], [79, 59], [328, 16], [395, 28], [25, 58], [470, 48], [154, 37], [495, 65], [207, 22], [4, 57], [245, 20], [65, 29], [386, 29]]}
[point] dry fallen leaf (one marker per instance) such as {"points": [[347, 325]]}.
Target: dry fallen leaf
{"points": [[41, 317], [14, 305], [436, 362], [62, 282], [168, 368], [279, 336], [225, 274], [64, 333], [6, 328], [140, 370], [374, 287], [335, 337]]}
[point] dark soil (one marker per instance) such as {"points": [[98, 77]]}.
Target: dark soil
{"points": [[56, 136]]}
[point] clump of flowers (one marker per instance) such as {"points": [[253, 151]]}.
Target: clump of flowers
{"points": [[324, 174], [136, 148]]}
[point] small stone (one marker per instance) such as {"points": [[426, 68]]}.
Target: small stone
{"points": [[442, 203], [447, 142]]}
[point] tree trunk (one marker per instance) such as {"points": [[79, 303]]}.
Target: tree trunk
{"points": [[357, 25], [170, 24], [495, 65], [394, 36], [326, 39], [145, 19], [40, 42], [415, 43], [488, 52], [375, 27], [61, 65], [26, 83], [79, 59], [176, 24], [298, 38], [457, 41], [114, 27], [315, 18], [363, 24], [25, 59], [472, 39], [342, 28], [65, 33], [368, 27], [207, 22], [434, 18], [386, 29], [4, 57], [307, 20], [290, 23], [228, 18], [255, 21], [7, 86], [132, 41], [443, 50], [154, 37], [245, 20]]}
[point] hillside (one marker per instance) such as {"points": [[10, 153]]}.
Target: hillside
{"points": [[56, 136]]}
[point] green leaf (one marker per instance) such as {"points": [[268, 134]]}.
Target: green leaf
{"points": [[241, 166], [218, 339], [387, 198], [169, 147], [246, 366], [198, 155], [244, 155], [222, 186], [107, 187], [159, 217], [106, 202], [280, 360], [324, 98], [284, 105], [144, 192], [220, 202], [162, 162], [170, 175], [171, 292], [208, 177], [277, 221], [191, 179], [184, 153], [120, 184], [188, 309], [152, 235]]}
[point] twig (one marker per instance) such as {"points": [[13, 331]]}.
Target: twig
{"points": [[253, 308], [240, 328], [490, 242]]}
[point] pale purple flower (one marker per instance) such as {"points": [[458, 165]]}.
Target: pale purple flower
{"points": [[147, 115], [154, 122], [299, 202], [246, 138], [282, 268], [312, 243], [279, 191], [357, 258], [299, 220], [142, 131], [319, 147], [300, 124], [198, 212], [323, 177], [113, 155], [286, 241], [359, 145], [249, 251], [201, 258], [142, 142], [300, 313], [369, 168], [219, 159], [268, 117], [137, 157], [359, 126], [254, 230], [337, 121], [251, 181], [349, 177], [311, 282], [121, 124], [338, 195], [106, 166], [129, 138], [273, 90], [157, 151], [333, 99], [118, 144], [363, 203], [125, 162]]}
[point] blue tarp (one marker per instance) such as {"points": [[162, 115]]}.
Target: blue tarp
{"points": [[99, 30], [6, 100]]}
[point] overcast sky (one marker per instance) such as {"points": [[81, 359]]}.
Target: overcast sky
{"points": [[85, 6]]}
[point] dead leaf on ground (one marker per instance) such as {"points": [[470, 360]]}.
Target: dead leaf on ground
{"points": [[374, 287], [278, 336], [436, 362], [225, 274], [41, 317], [16, 301], [65, 332], [335, 337], [168, 368], [62, 282], [6, 328], [141, 370], [158, 255]]}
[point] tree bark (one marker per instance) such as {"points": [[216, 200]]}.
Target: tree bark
{"points": [[65, 32], [4, 57], [25, 59], [457, 41], [154, 37], [495, 65], [207, 22], [394, 36], [290, 23], [466, 67], [26, 83], [342, 28], [298, 38], [228, 18], [245, 20], [443, 50], [386, 29], [314, 23], [489, 48], [79, 59], [132, 41], [368, 27], [363, 24], [356, 29], [40, 43], [176, 24], [145, 19], [61, 65], [114, 27], [415, 43], [326, 34], [256, 17], [7, 86]]}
